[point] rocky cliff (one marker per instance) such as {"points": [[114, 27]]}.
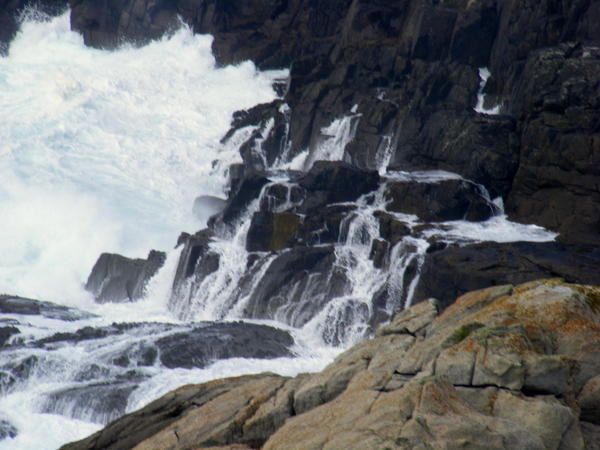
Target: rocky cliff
{"points": [[502, 368], [411, 68], [504, 94]]}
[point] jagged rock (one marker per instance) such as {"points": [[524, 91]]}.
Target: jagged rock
{"points": [[272, 231], [279, 197], [589, 401], [195, 258], [202, 345], [335, 182], [211, 416], [412, 320], [181, 346], [95, 402], [367, 399], [457, 270], [412, 70], [296, 286], [390, 228], [442, 201], [115, 278], [591, 436], [557, 182], [248, 189], [29, 307]]}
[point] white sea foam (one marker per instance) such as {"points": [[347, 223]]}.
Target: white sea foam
{"points": [[105, 151]]}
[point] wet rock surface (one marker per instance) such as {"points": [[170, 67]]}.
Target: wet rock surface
{"points": [[28, 307], [415, 88], [454, 271], [504, 367], [115, 278], [439, 202]]}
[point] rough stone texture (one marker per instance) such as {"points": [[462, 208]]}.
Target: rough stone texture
{"points": [[18, 305], [272, 231], [487, 373], [115, 278], [454, 271], [311, 283], [439, 202], [411, 67]]}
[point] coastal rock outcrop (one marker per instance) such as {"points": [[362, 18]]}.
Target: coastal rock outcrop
{"points": [[501, 368], [408, 76], [115, 278], [454, 271]]}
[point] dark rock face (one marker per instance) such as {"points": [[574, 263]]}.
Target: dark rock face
{"points": [[180, 346], [247, 189], [192, 259], [115, 278], [442, 201], [12, 10], [19, 305], [557, 182], [203, 345], [272, 231], [310, 278], [116, 359], [335, 182], [452, 272]]}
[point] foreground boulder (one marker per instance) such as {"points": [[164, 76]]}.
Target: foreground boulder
{"points": [[115, 278], [502, 368]]}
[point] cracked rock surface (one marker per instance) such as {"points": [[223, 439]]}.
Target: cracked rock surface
{"points": [[502, 368]]}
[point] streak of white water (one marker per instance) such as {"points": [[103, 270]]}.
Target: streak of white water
{"points": [[105, 151], [334, 139], [484, 75]]}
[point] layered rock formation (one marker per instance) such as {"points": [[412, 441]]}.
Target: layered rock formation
{"points": [[503, 94], [115, 278], [502, 368], [411, 69], [94, 368]]}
